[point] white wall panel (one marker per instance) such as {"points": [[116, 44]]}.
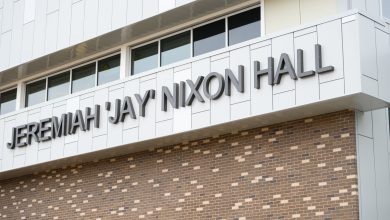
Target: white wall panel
{"points": [[182, 116], [5, 48], [70, 149], [91, 18], [220, 108], [52, 5], [147, 126], [200, 68], [57, 149], [29, 11], [19, 161], [182, 2], [100, 98], [43, 155], [39, 28], [164, 78], [165, 5], [114, 131], [51, 32], [369, 86], [368, 59], [307, 89], [46, 112], [332, 49], [283, 44], [261, 99], [1, 138], [21, 119], [131, 88], [27, 42], [64, 20], [32, 150], [351, 57], [8, 154], [201, 119], [130, 135], [119, 10], [99, 142], [383, 57], [6, 22], [164, 128], [77, 23], [331, 89], [240, 110], [17, 30], [104, 16], [373, 7], [364, 125], [85, 138], [149, 8], [284, 100], [134, 12], [72, 105]]}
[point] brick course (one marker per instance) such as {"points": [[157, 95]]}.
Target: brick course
{"points": [[304, 169]]}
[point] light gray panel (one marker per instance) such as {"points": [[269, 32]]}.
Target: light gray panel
{"points": [[182, 2], [134, 12], [200, 68], [70, 149], [17, 30], [51, 32], [381, 155], [201, 119], [261, 99], [91, 19], [44, 155], [29, 11], [1, 17], [119, 16], [364, 123], [283, 44], [351, 57], [57, 149], [5, 48], [373, 7], [238, 57], [39, 28], [64, 21], [77, 23], [367, 193], [182, 116], [130, 135], [46, 112], [220, 108], [147, 126], [8, 154], [72, 105], [32, 150], [100, 98], [6, 23], [131, 88], [85, 138], [99, 142], [115, 131], [367, 47], [331, 89], [165, 5], [383, 57], [27, 42], [332, 49], [164, 78], [150, 8], [284, 100], [2, 139], [19, 161], [359, 4], [52, 5], [104, 16], [240, 110], [164, 128], [307, 89], [369, 86]]}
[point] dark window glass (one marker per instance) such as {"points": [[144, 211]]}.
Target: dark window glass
{"points": [[108, 69], [58, 85], [35, 92], [83, 77], [8, 101], [209, 37], [386, 8], [244, 26], [144, 58], [175, 48]]}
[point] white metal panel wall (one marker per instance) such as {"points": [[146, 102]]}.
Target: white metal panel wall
{"points": [[53, 25], [254, 102]]}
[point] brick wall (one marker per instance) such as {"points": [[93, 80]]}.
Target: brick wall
{"points": [[303, 169]]}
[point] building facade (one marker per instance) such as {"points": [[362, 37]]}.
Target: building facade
{"points": [[194, 109]]}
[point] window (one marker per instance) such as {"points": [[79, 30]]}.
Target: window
{"points": [[386, 8], [58, 85], [244, 26], [144, 58], [35, 92], [209, 37], [7, 101], [83, 77], [176, 48], [108, 69]]}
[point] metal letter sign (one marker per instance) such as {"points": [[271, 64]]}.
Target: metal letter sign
{"points": [[69, 123]]}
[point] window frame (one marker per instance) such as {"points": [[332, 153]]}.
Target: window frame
{"points": [[25, 91], [191, 30], [16, 98]]}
